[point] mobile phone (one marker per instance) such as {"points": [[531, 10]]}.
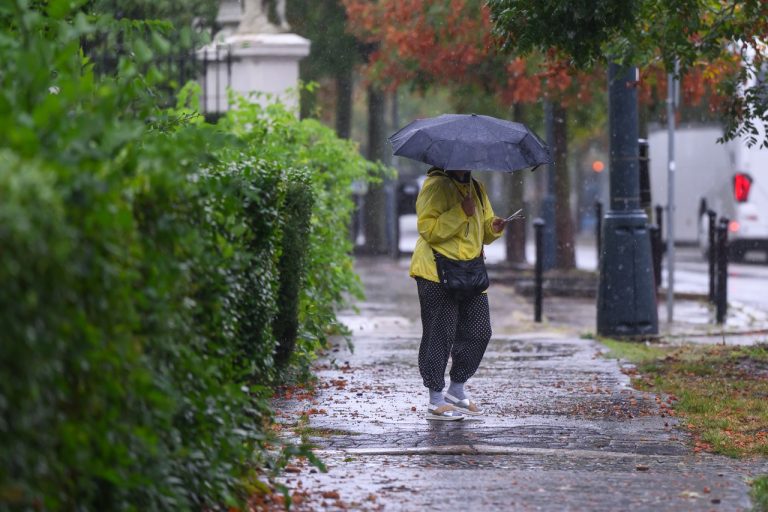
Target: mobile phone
{"points": [[516, 215]]}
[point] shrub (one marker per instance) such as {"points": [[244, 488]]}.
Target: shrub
{"points": [[201, 249], [333, 165], [150, 265], [121, 383], [292, 266]]}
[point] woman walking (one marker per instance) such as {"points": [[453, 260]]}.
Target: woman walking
{"points": [[455, 220]]}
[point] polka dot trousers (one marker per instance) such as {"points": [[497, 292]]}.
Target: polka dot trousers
{"points": [[459, 329]]}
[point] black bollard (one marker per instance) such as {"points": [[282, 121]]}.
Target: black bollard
{"points": [[656, 252], [722, 270], [538, 226], [599, 229], [660, 221], [645, 176], [712, 255]]}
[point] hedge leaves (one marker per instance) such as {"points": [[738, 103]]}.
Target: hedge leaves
{"points": [[154, 268]]}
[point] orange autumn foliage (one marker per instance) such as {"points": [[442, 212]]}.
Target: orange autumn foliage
{"points": [[699, 82], [450, 43]]}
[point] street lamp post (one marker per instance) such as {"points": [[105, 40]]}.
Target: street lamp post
{"points": [[626, 302]]}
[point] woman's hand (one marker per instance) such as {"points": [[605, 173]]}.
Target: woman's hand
{"points": [[468, 205], [498, 224]]}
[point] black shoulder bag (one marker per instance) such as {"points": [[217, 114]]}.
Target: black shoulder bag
{"points": [[463, 279]]}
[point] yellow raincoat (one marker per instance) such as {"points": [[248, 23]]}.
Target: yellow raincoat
{"points": [[444, 227]]}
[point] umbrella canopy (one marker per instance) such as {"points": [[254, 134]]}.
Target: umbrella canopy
{"points": [[470, 142]]}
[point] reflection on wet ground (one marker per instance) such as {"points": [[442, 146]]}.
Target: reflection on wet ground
{"points": [[563, 429]]}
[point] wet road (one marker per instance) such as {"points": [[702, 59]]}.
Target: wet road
{"points": [[747, 282]]}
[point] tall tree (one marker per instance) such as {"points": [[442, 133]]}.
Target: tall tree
{"points": [[565, 254], [514, 191], [644, 32], [626, 34], [426, 43], [375, 211], [334, 54]]}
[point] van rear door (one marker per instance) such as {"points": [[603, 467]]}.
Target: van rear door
{"points": [[749, 186]]}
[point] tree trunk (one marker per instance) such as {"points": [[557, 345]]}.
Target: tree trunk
{"points": [[515, 188], [375, 213], [307, 99], [344, 104], [565, 253], [344, 86]]}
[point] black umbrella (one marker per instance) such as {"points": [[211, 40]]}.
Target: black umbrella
{"points": [[470, 142]]}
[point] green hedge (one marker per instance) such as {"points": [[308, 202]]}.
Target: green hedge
{"points": [[332, 165], [153, 268], [298, 205], [128, 303]]}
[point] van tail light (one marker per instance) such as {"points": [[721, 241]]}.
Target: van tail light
{"points": [[741, 184], [734, 226]]}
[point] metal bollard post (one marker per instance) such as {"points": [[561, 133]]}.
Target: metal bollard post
{"points": [[722, 270], [660, 221], [712, 255], [656, 251], [538, 226], [599, 229], [645, 177]]}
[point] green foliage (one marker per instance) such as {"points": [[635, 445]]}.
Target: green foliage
{"points": [[333, 165], [182, 14], [632, 351], [760, 493], [121, 388], [636, 32], [642, 32], [141, 270], [292, 266], [578, 29]]}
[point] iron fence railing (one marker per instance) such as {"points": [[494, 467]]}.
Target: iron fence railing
{"points": [[215, 81], [210, 66]]}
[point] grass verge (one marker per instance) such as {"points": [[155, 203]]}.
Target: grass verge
{"points": [[720, 393], [760, 494]]}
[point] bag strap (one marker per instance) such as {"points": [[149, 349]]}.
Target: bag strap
{"points": [[479, 194], [436, 171], [482, 207]]}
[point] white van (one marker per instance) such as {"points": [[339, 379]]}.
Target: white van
{"points": [[730, 178]]}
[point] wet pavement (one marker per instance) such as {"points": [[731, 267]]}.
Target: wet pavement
{"points": [[562, 431]]}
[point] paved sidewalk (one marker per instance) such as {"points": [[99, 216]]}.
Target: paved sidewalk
{"points": [[563, 430]]}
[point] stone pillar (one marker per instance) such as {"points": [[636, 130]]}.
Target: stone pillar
{"points": [[255, 57]]}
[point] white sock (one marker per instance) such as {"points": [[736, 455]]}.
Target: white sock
{"points": [[436, 398], [457, 389]]}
